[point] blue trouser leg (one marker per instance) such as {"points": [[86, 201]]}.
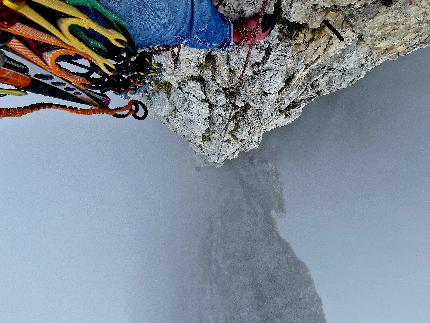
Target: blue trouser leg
{"points": [[195, 23]]}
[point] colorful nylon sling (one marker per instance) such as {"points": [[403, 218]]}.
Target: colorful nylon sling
{"points": [[73, 50]]}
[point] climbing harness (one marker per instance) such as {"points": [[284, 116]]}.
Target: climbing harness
{"points": [[74, 50]]}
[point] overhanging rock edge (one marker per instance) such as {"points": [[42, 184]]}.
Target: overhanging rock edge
{"points": [[301, 60]]}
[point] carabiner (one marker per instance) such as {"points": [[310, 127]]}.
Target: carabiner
{"points": [[135, 109], [14, 4]]}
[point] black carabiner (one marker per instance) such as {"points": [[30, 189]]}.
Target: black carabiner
{"points": [[139, 105], [134, 110]]}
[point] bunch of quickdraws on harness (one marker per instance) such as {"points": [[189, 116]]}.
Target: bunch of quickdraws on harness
{"points": [[54, 48]]}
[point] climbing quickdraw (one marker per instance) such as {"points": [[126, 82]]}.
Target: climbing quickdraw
{"points": [[80, 59]]}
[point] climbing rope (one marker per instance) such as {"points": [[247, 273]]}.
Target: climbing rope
{"points": [[131, 109], [239, 85]]}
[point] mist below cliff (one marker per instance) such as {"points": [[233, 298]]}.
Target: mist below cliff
{"points": [[112, 221], [355, 168]]}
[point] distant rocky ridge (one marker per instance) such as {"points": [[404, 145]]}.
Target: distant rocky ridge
{"points": [[318, 47], [246, 272]]}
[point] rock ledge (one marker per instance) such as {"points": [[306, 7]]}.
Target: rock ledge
{"points": [[318, 47]]}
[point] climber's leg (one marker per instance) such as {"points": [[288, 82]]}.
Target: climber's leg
{"points": [[196, 23]]}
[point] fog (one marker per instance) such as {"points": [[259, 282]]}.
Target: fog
{"points": [[356, 171], [106, 220]]}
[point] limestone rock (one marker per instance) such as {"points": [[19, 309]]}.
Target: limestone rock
{"points": [[302, 59]]}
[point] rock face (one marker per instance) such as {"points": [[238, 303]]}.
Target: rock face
{"points": [[245, 271], [318, 47]]}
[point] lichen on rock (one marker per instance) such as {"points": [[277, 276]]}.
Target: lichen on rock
{"points": [[318, 47]]}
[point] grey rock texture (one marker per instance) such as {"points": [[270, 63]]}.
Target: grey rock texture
{"points": [[301, 60], [246, 272]]}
